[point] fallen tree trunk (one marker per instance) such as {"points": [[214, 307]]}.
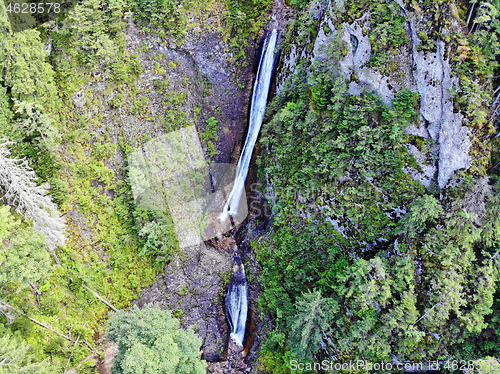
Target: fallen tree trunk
{"points": [[100, 298]]}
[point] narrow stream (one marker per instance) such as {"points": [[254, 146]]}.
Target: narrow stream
{"points": [[236, 302]]}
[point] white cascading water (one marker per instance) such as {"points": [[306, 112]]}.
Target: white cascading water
{"points": [[257, 108], [237, 293], [237, 305]]}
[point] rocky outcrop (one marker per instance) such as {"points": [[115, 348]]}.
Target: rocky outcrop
{"points": [[234, 363], [433, 79], [428, 73], [191, 289]]}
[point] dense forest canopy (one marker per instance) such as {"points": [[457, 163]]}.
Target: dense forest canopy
{"points": [[362, 261]]}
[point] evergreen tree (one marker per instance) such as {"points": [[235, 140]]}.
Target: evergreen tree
{"points": [[23, 257], [311, 324], [424, 209], [24, 67], [16, 357]]}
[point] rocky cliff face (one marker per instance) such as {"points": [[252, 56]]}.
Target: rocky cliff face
{"points": [[192, 288], [424, 71], [194, 281]]}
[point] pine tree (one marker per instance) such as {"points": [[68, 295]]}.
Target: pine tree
{"points": [[18, 188], [424, 209], [311, 324], [23, 258], [16, 357], [33, 122], [24, 67]]}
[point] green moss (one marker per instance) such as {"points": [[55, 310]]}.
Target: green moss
{"points": [[117, 101], [182, 291], [161, 85], [140, 106]]}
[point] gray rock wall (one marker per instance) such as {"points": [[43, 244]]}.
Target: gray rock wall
{"points": [[190, 288], [427, 73]]}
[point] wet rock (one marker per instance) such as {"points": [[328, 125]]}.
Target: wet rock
{"points": [[234, 363]]}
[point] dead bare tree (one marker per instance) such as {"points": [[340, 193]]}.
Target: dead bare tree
{"points": [[18, 188]]}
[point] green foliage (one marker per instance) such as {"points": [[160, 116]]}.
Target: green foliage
{"points": [[380, 295], [16, 356], [210, 136], [387, 31], [59, 190], [412, 273], [139, 106], [6, 114], [23, 254], [424, 210], [175, 98], [353, 145], [476, 63], [212, 151], [310, 324], [117, 101], [158, 235], [210, 130], [28, 100], [161, 85], [244, 18], [161, 15], [49, 306], [309, 251], [299, 4], [93, 32], [25, 70], [126, 69], [33, 123], [150, 340]]}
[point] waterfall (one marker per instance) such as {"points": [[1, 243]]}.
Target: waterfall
{"points": [[237, 304], [237, 291], [257, 108]]}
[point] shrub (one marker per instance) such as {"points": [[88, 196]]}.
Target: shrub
{"points": [[150, 340], [49, 306], [117, 101], [59, 190]]}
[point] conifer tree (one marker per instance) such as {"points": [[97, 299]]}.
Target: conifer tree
{"points": [[23, 258], [16, 357], [311, 324]]}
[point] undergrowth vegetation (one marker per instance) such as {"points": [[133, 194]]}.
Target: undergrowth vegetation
{"points": [[362, 261]]}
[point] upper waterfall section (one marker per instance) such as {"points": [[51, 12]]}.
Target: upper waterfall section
{"points": [[257, 109]]}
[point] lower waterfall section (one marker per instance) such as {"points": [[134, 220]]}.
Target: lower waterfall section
{"points": [[236, 303]]}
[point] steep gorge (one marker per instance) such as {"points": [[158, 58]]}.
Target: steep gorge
{"points": [[367, 192]]}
